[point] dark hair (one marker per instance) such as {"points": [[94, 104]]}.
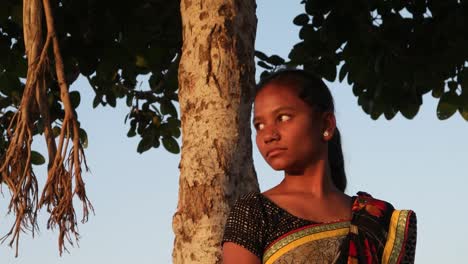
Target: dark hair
{"points": [[317, 95]]}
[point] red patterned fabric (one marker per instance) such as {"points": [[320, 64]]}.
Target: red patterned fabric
{"points": [[371, 219]]}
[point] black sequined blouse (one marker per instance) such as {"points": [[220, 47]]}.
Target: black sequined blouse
{"points": [[254, 222]]}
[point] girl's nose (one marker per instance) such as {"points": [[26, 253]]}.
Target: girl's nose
{"points": [[271, 135]]}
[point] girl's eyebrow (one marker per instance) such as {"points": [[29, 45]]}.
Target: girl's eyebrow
{"points": [[276, 110]]}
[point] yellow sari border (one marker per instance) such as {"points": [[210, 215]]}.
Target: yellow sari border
{"points": [[396, 236], [303, 236]]}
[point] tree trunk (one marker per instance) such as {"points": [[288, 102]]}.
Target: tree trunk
{"points": [[216, 84]]}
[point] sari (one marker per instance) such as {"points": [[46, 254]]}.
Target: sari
{"points": [[377, 233]]}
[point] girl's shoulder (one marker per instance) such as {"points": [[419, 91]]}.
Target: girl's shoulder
{"points": [[248, 201], [245, 224], [248, 197]]}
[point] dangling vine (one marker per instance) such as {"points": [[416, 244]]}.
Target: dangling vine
{"points": [[64, 161]]}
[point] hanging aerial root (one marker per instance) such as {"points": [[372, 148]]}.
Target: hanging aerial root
{"points": [[58, 191], [17, 172], [16, 168], [64, 161]]}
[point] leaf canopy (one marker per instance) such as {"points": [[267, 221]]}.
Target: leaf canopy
{"points": [[109, 43], [391, 52]]}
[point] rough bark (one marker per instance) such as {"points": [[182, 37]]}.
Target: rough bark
{"points": [[216, 82]]}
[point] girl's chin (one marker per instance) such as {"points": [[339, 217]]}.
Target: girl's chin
{"points": [[278, 165], [287, 167]]}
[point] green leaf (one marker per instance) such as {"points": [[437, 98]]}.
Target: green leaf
{"points": [[155, 83], [174, 127], [75, 99], [156, 120], [311, 36], [145, 144], [261, 55], [264, 75], [463, 79], [438, 90], [448, 105], [376, 109], [168, 108], [131, 132], [9, 84], [141, 126], [264, 65], [358, 90], [96, 101], [56, 131], [275, 60], [156, 56], [398, 4], [390, 113], [4, 84], [171, 145], [21, 68], [17, 14], [106, 69], [452, 85], [87, 65], [327, 69], [37, 158], [464, 112], [343, 72], [297, 53], [5, 102], [5, 12], [83, 138], [365, 103], [350, 80], [129, 100], [313, 7], [176, 132], [141, 61], [174, 121], [317, 20], [409, 110], [301, 20], [156, 143], [378, 63], [111, 100]]}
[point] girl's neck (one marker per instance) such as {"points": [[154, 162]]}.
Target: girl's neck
{"points": [[314, 180]]}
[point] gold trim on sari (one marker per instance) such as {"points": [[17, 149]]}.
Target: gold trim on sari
{"points": [[302, 236], [397, 234]]}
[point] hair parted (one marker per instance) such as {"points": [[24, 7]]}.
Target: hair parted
{"points": [[317, 95]]}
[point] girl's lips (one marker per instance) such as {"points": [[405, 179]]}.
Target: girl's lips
{"points": [[274, 152]]}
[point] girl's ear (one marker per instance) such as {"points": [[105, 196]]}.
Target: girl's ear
{"points": [[329, 125]]}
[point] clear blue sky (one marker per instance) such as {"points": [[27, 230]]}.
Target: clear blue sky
{"points": [[419, 164]]}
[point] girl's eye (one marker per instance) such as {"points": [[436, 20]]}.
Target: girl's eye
{"points": [[259, 126], [283, 118]]}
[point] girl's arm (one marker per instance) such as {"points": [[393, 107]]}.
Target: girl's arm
{"points": [[234, 254]]}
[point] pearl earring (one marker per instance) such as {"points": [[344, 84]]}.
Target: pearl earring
{"points": [[325, 134]]}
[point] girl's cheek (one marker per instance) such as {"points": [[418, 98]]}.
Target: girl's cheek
{"points": [[258, 142]]}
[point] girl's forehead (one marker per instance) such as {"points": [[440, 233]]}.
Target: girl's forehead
{"points": [[276, 93], [272, 97]]}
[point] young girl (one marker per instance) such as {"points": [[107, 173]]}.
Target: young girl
{"points": [[308, 218]]}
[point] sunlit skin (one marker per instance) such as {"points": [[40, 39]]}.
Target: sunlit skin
{"points": [[290, 137]]}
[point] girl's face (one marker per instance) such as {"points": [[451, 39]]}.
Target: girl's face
{"points": [[289, 134]]}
